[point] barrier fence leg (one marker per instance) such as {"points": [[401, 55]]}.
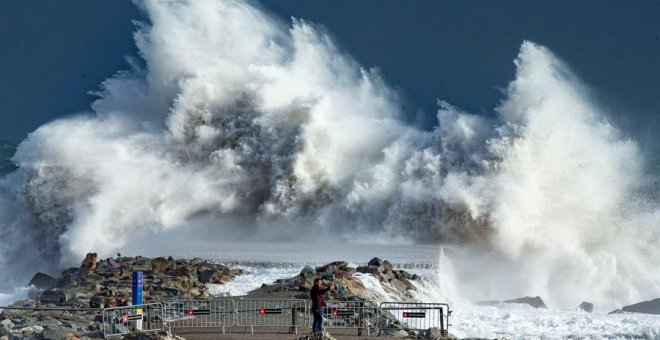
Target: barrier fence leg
{"points": [[293, 321], [360, 321]]}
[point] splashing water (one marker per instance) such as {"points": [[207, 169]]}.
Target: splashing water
{"points": [[241, 126]]}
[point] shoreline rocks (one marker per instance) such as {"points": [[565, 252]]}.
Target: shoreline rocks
{"points": [[102, 284], [339, 273], [98, 284], [644, 307], [535, 302], [107, 283]]}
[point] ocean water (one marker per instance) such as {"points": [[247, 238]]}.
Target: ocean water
{"points": [[7, 150], [258, 142]]}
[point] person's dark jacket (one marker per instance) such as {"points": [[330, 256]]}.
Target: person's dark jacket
{"points": [[317, 297]]}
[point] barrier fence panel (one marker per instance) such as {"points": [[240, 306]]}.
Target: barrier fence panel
{"points": [[417, 316], [122, 320], [207, 313], [289, 313], [360, 315]]}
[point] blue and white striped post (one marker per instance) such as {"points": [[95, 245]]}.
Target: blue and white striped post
{"points": [[137, 297]]}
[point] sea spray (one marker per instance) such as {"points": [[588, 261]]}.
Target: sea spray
{"points": [[241, 127]]}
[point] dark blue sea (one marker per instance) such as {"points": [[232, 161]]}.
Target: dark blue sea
{"points": [[7, 150]]}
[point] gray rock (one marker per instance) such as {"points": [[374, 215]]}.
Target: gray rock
{"points": [[58, 333], [586, 306], [333, 267], [71, 276], [535, 301], [370, 269], [76, 327], [53, 296], [98, 301], [50, 323], [31, 330], [5, 327], [376, 261], [646, 307], [307, 270], [171, 291], [105, 267], [204, 274], [400, 286], [119, 328], [42, 281], [401, 334], [433, 334]]}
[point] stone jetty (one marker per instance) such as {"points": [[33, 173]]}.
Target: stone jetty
{"points": [[69, 306], [101, 284]]}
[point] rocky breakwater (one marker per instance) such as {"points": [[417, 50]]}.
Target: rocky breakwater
{"points": [[107, 283], [396, 283]]}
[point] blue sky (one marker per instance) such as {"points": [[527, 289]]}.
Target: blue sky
{"points": [[52, 54]]}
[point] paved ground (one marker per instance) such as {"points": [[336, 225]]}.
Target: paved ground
{"points": [[273, 337], [274, 334]]}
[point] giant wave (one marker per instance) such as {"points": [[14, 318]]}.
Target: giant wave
{"points": [[242, 124]]}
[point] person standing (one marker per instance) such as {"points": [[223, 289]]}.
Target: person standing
{"points": [[317, 305]]}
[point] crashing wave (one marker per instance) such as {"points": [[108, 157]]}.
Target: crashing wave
{"points": [[241, 124]]}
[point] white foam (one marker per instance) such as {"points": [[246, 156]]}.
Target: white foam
{"points": [[517, 321], [18, 293]]}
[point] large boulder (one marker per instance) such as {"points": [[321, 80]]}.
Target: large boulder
{"points": [[42, 281], [89, 262], [307, 270], [58, 333], [333, 267], [204, 274], [5, 327], [376, 261], [586, 307], [535, 301], [400, 280], [646, 307], [71, 277], [56, 297]]}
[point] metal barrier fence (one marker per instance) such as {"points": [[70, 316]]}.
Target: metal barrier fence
{"points": [[291, 313], [285, 313], [121, 320], [418, 316], [208, 313], [360, 315]]}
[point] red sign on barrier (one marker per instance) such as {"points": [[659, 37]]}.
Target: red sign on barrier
{"points": [[263, 311], [342, 312], [414, 314], [198, 312], [127, 318]]}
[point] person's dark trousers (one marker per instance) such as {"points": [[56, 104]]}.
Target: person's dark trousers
{"points": [[317, 326]]}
